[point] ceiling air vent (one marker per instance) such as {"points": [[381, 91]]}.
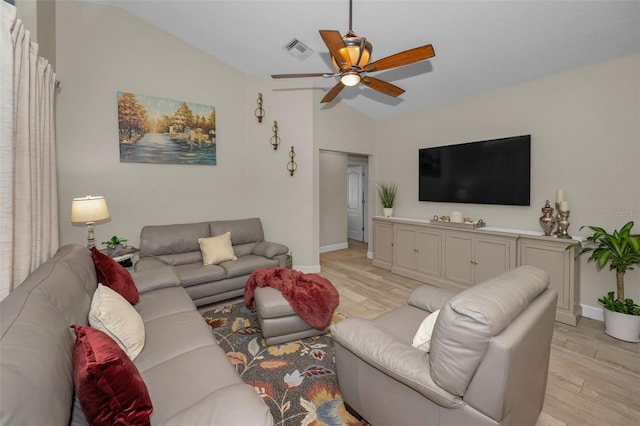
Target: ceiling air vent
{"points": [[298, 49]]}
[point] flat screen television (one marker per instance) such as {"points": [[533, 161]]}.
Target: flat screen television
{"points": [[496, 171]]}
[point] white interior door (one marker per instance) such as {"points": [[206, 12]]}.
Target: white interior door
{"points": [[355, 203]]}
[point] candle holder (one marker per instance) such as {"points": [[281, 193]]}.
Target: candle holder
{"points": [[275, 139], [259, 111], [563, 225], [557, 217], [291, 165]]}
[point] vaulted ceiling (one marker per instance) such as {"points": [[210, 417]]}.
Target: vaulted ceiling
{"points": [[479, 45]]}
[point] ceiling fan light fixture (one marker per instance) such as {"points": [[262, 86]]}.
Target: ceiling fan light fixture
{"points": [[357, 49], [350, 78]]}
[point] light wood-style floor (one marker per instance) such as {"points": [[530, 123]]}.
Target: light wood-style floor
{"points": [[593, 378]]}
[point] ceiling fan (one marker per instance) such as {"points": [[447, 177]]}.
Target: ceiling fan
{"points": [[350, 56]]}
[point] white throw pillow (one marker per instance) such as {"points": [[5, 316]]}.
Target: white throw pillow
{"points": [[216, 249], [422, 339], [113, 315]]}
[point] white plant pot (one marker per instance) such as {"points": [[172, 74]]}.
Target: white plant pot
{"points": [[387, 212], [622, 326]]}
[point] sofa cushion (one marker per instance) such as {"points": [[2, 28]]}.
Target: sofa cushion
{"points": [[243, 231], [470, 319], [189, 382], [197, 273], [163, 302], [113, 315], [216, 249], [159, 240], [112, 274], [109, 387]]}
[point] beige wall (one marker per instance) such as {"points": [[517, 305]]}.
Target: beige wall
{"points": [[585, 140], [340, 128], [39, 17], [333, 198], [284, 202], [103, 50]]}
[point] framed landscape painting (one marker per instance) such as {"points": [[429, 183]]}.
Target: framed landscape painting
{"points": [[158, 130]]}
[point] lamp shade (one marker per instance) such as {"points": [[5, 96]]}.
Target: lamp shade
{"points": [[89, 209]]}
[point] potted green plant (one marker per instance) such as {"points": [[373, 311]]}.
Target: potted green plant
{"points": [[621, 251], [115, 245], [387, 193]]}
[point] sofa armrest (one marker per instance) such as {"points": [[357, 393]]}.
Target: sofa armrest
{"points": [[269, 250], [385, 352], [147, 279], [430, 298]]}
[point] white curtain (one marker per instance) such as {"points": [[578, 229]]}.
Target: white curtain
{"points": [[28, 184]]}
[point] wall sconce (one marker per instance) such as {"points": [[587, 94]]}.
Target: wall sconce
{"points": [[291, 165], [89, 210], [259, 111], [275, 139]]}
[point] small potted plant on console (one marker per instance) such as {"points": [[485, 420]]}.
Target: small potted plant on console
{"points": [[621, 251], [387, 193]]}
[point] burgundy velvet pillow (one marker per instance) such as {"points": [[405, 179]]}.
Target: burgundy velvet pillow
{"points": [[113, 275], [108, 384]]}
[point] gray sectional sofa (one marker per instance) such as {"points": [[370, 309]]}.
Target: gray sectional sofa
{"points": [[188, 376], [175, 250]]}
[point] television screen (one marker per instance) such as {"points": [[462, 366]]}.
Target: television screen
{"points": [[496, 171]]}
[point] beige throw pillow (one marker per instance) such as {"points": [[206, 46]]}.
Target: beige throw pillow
{"points": [[422, 339], [216, 249], [113, 315]]}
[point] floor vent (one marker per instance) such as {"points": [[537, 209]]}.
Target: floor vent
{"points": [[298, 49]]}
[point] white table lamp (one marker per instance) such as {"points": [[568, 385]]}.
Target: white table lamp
{"points": [[89, 210]]}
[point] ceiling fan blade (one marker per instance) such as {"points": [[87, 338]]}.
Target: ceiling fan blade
{"points": [[334, 42], [332, 93], [316, 74], [382, 86], [403, 58]]}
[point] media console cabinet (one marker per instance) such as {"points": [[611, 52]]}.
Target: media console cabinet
{"points": [[445, 256]]}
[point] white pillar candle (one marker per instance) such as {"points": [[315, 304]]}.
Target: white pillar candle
{"points": [[564, 206], [559, 196], [456, 217]]}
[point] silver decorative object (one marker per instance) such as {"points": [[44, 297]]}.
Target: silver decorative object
{"points": [[563, 225], [557, 219], [547, 221]]}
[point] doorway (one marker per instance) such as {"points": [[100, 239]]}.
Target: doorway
{"points": [[355, 203]]}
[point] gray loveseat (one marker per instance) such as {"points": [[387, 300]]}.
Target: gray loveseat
{"points": [[175, 249], [188, 376]]}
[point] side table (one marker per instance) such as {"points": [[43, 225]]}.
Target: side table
{"points": [[124, 256]]}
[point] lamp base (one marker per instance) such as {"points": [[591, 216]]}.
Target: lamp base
{"points": [[91, 239]]}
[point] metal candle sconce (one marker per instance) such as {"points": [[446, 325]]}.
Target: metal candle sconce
{"points": [[291, 165], [275, 139], [259, 111]]}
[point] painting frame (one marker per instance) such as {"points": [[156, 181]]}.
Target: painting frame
{"points": [[159, 130]]}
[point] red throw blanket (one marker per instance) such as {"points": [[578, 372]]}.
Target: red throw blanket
{"points": [[311, 296]]}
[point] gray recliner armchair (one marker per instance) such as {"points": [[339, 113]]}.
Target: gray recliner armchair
{"points": [[487, 364]]}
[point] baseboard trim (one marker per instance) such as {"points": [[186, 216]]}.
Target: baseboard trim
{"points": [[592, 312], [334, 247], [369, 255], [314, 269]]}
